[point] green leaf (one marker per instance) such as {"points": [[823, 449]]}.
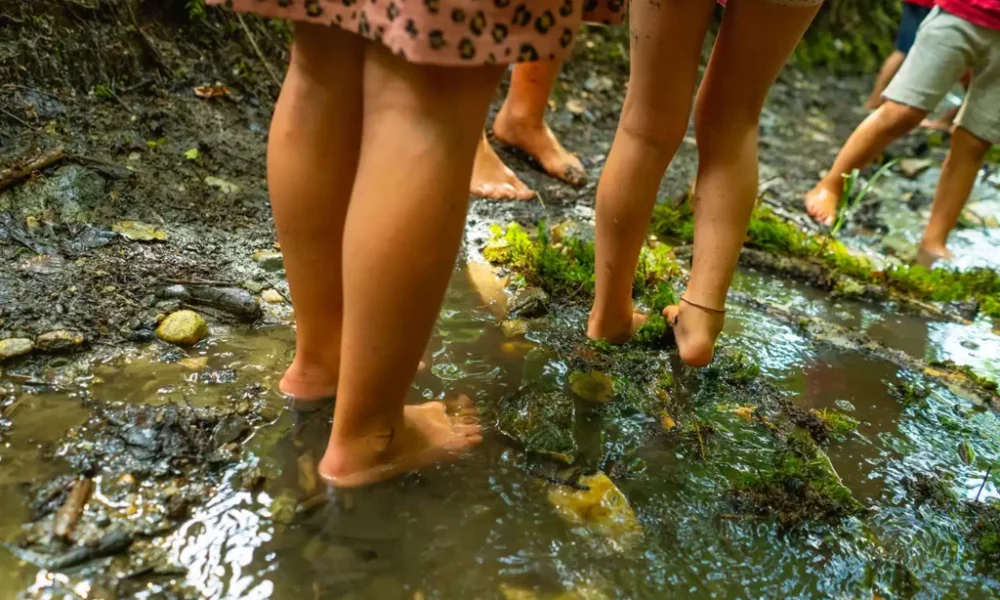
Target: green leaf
{"points": [[192, 154]]}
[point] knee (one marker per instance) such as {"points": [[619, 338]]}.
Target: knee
{"points": [[659, 130], [966, 144], [899, 118], [718, 123]]}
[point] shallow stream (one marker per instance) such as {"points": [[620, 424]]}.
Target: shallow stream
{"points": [[483, 524]]}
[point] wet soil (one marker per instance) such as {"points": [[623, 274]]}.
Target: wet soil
{"points": [[131, 468]]}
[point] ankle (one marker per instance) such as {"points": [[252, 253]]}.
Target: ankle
{"points": [[310, 380], [516, 117]]}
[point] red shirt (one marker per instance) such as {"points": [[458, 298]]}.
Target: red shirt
{"points": [[985, 13], [924, 3]]}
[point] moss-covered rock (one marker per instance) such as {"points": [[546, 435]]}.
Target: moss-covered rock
{"points": [[593, 386], [801, 485], [541, 422], [13, 347]]}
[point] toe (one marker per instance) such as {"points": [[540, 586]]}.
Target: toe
{"points": [[467, 429], [574, 176]]}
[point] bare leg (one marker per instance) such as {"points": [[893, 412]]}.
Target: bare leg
{"points": [[311, 159], [884, 126], [521, 121], [889, 69], [755, 40], [404, 225], [958, 175], [653, 123], [494, 180]]}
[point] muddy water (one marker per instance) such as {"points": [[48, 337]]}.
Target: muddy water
{"points": [[466, 529]]}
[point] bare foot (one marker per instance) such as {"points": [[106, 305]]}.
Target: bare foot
{"points": [[541, 144], [308, 385], [614, 333], [821, 203], [428, 434], [928, 254], [494, 180], [696, 330]]}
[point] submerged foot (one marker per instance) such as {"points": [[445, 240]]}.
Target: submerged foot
{"points": [[541, 144], [494, 180], [928, 254], [614, 332], [821, 205], [428, 434], [695, 330]]}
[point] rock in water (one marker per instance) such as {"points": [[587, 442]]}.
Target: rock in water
{"points": [[594, 386], [184, 328], [541, 422], [12, 347], [529, 303], [601, 508], [62, 339]]}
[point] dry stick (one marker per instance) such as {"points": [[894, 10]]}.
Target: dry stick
{"points": [[69, 513], [16, 118], [12, 175], [256, 48], [985, 477]]}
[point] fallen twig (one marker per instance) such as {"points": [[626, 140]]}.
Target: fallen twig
{"points": [[12, 175], [69, 513], [985, 479], [16, 118], [256, 48]]}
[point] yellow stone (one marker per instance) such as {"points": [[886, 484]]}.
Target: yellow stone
{"points": [[594, 386], [515, 593], [517, 348], [12, 347], [744, 412], [602, 508], [514, 328], [184, 328], [139, 232], [271, 296], [667, 422]]}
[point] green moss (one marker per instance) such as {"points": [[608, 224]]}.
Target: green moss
{"points": [[769, 233], [566, 268], [837, 423], [800, 486], [986, 533], [653, 334], [966, 371]]}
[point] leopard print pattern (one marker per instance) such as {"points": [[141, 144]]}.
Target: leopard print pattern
{"points": [[452, 32]]}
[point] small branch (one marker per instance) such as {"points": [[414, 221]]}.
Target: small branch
{"points": [[69, 513], [256, 48], [985, 478], [16, 118], [15, 174]]}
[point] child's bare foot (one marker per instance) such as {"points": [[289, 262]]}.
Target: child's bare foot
{"points": [[695, 329], [821, 203], [614, 331], [307, 385], [928, 254], [494, 180], [541, 144], [427, 434]]}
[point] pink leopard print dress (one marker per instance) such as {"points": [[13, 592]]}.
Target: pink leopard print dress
{"points": [[452, 32]]}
